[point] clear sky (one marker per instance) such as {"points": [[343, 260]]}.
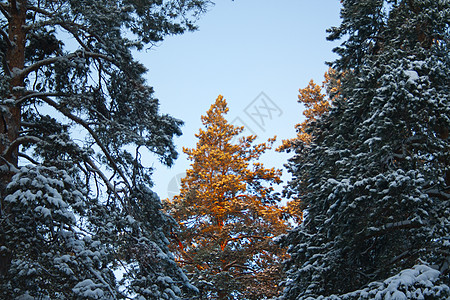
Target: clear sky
{"points": [[257, 54]]}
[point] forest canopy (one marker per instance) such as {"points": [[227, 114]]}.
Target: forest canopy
{"points": [[367, 213]]}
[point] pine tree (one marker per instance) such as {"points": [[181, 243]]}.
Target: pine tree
{"points": [[75, 196], [316, 103], [316, 100], [375, 178], [228, 214]]}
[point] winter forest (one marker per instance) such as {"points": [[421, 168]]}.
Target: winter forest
{"points": [[364, 215]]}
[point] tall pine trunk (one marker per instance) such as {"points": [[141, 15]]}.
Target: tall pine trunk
{"points": [[11, 113]]}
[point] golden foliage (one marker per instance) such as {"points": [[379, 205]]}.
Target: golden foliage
{"points": [[316, 104], [227, 210]]}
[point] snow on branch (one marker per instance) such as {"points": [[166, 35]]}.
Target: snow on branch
{"points": [[419, 282], [105, 179], [52, 60], [33, 94], [438, 193], [405, 224], [81, 122], [19, 141]]}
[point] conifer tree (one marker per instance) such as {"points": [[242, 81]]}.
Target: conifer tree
{"points": [[228, 213], [76, 114], [375, 178], [317, 101]]}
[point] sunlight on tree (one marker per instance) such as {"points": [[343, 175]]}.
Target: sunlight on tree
{"points": [[228, 213]]}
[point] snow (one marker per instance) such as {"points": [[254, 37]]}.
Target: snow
{"points": [[415, 283], [412, 76], [88, 289], [44, 211], [25, 296]]}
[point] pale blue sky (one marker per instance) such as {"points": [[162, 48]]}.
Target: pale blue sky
{"points": [[242, 48]]}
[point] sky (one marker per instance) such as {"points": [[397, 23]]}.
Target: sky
{"points": [[257, 54]]}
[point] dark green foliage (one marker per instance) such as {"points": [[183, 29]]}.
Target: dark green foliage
{"points": [[375, 181], [76, 116]]}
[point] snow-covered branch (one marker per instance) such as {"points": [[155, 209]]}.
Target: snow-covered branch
{"points": [[105, 179], [438, 193], [52, 60], [81, 122], [19, 141], [37, 95], [99, 277], [405, 224]]}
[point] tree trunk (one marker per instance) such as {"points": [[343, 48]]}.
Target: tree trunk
{"points": [[10, 113]]}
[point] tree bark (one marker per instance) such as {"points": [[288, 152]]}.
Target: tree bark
{"points": [[10, 112], [15, 59]]}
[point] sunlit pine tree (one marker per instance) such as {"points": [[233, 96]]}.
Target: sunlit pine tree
{"points": [[228, 213], [316, 100]]}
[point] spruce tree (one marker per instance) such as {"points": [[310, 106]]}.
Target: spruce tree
{"points": [[76, 115], [375, 179], [228, 214]]}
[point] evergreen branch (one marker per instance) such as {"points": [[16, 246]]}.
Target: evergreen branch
{"points": [[406, 224], [104, 178], [99, 277], [36, 95], [45, 62], [437, 193], [19, 141], [81, 122]]}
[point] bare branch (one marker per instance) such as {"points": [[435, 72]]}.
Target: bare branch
{"points": [[39, 10], [44, 97], [64, 24], [99, 277], [249, 237], [4, 11], [75, 35], [29, 158], [435, 192], [399, 257], [228, 266], [6, 38]]}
